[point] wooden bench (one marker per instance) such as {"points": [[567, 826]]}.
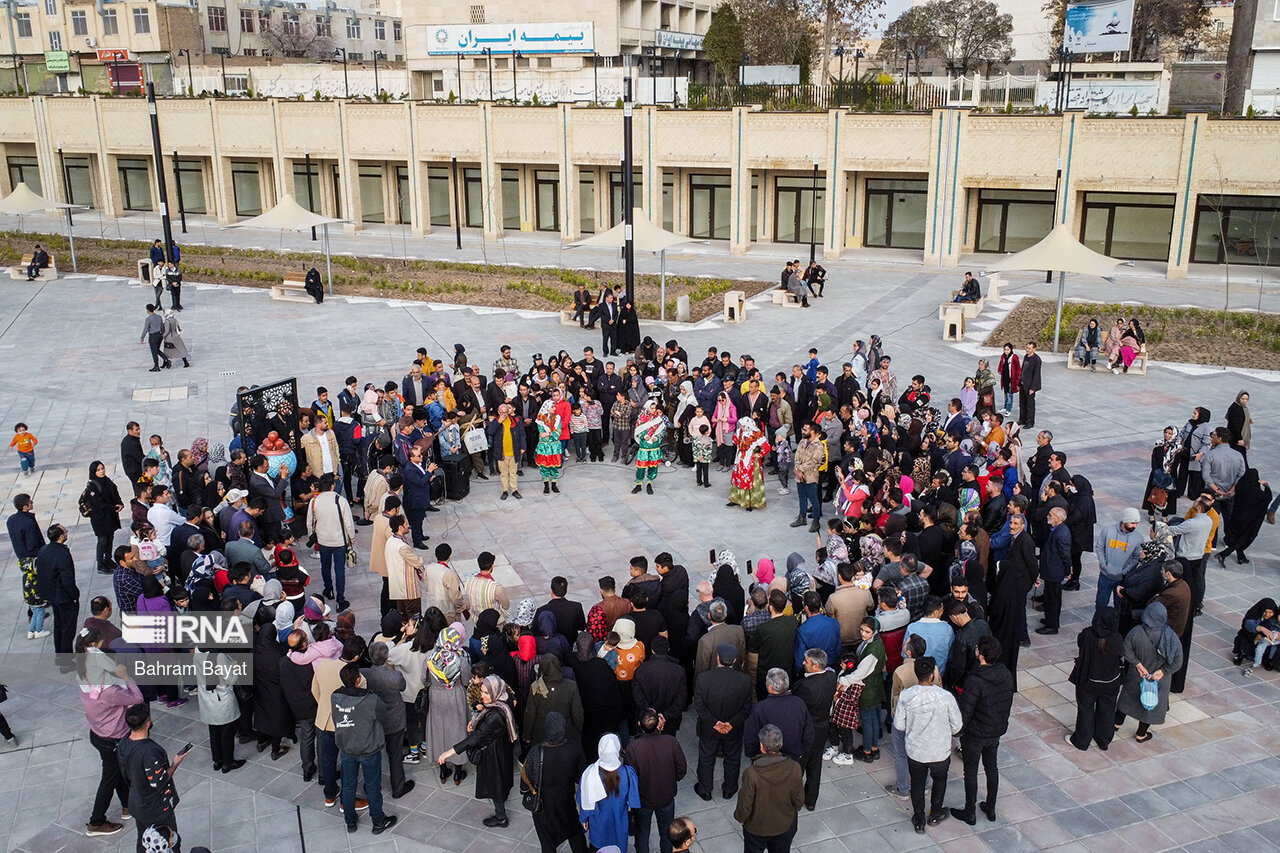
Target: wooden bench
{"points": [[971, 309], [786, 299], [291, 289], [19, 273], [1139, 365]]}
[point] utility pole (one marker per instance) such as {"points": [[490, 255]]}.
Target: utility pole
{"points": [[346, 82], [628, 181], [311, 198], [66, 180], [813, 215], [457, 207], [488, 52], [177, 187], [515, 98], [160, 179], [377, 90]]}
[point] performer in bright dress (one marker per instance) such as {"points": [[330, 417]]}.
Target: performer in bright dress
{"points": [[747, 480], [549, 450], [650, 429]]}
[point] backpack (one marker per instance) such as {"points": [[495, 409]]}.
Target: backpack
{"points": [[83, 503]]}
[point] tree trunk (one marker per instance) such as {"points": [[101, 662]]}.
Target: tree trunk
{"points": [[826, 45], [1243, 17]]}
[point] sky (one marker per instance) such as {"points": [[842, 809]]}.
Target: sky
{"points": [[892, 9]]}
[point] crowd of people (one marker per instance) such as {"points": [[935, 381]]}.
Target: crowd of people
{"points": [[934, 531]]}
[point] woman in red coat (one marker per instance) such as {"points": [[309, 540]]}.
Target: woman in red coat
{"points": [[1010, 374]]}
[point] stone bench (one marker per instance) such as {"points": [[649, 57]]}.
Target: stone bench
{"points": [[19, 273], [1139, 365], [971, 309], [952, 316], [786, 299], [291, 290]]}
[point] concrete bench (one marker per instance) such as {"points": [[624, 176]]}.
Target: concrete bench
{"points": [[19, 273], [1139, 365], [971, 309], [952, 316], [291, 290], [566, 318], [786, 299]]}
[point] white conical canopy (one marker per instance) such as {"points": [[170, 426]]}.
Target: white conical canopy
{"points": [[646, 237], [23, 201], [288, 215], [1059, 251]]}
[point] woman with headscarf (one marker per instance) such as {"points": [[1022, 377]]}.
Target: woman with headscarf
{"points": [[549, 451], [1154, 653], [650, 429], [628, 334], [683, 421], [1088, 343], [724, 420], [272, 718], [1165, 458], [1131, 340], [488, 746], [173, 346], [985, 381], [549, 640], [603, 708], [747, 481], [1097, 677], [607, 791], [1144, 581], [727, 587], [448, 673], [553, 766], [798, 581], [1240, 424], [1252, 497], [459, 358], [552, 692], [103, 500], [488, 645], [1194, 438], [1258, 635]]}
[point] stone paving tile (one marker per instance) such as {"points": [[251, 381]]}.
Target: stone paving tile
{"points": [[1094, 799]]}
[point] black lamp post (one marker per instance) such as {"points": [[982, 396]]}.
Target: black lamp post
{"points": [[459, 77], [488, 52], [191, 85], [66, 180], [177, 187], [160, 181], [840, 86], [311, 199], [222, 57], [515, 97], [652, 53], [813, 215], [857, 54], [457, 207], [377, 90], [628, 181], [346, 82]]}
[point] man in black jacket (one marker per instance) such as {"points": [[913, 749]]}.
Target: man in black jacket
{"points": [[783, 709], [568, 614], [659, 684], [984, 706], [262, 485], [295, 680], [56, 584], [673, 604], [388, 684], [660, 765], [1029, 386], [722, 700], [817, 688], [131, 454], [360, 738]]}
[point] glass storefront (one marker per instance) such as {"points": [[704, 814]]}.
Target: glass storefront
{"points": [[1013, 220], [25, 170], [438, 197], [586, 202], [473, 198], [372, 206], [796, 208], [511, 198], [191, 182], [710, 206], [79, 181], [246, 185], [1130, 226], [546, 190], [403, 202], [894, 213], [135, 184], [615, 195], [1237, 229]]}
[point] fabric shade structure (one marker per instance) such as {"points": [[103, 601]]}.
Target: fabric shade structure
{"points": [[1060, 251], [23, 201], [646, 237], [288, 215]]}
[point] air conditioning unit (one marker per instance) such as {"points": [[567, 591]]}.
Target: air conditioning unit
{"points": [[90, 42]]}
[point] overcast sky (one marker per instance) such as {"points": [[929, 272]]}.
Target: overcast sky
{"points": [[892, 9]]}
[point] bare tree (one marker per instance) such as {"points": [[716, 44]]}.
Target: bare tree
{"points": [[295, 39], [851, 19], [774, 32]]}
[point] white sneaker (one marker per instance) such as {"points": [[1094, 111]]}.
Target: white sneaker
{"points": [[1116, 371], [784, 491], [830, 753], [36, 635], [844, 759]]}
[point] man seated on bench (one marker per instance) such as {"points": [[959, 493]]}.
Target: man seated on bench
{"points": [[39, 261], [970, 291], [795, 285]]}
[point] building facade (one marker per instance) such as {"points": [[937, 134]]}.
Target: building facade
{"points": [[566, 51], [936, 186]]}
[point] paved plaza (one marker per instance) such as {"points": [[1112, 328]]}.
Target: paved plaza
{"points": [[76, 373]]}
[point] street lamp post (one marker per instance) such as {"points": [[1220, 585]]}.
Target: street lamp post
{"points": [[160, 180], [813, 215], [652, 53], [177, 187], [906, 79], [457, 207], [222, 57], [628, 181], [595, 78], [346, 82], [857, 54], [840, 86], [377, 90], [311, 199], [515, 97], [675, 75], [459, 76], [488, 52], [66, 180], [191, 85]]}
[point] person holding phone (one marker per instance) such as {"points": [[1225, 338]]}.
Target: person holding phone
{"points": [[153, 798], [106, 692]]}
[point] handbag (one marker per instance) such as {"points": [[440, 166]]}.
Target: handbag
{"points": [[530, 797], [475, 440], [353, 557], [1150, 694]]}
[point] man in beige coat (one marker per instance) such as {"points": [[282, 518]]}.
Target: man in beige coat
{"points": [[376, 487], [377, 549], [404, 570], [849, 605], [442, 586], [321, 447]]}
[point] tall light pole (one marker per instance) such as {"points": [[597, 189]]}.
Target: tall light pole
{"points": [[311, 198], [459, 76], [377, 90], [457, 206], [488, 52], [346, 82], [191, 86], [160, 179], [813, 214], [515, 97], [177, 187], [222, 57], [595, 78], [628, 180], [840, 86], [66, 179]]}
